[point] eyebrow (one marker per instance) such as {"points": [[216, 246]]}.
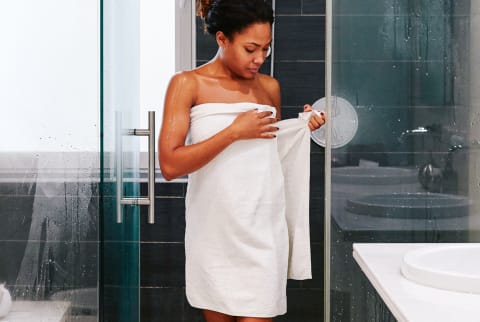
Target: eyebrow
{"points": [[258, 45]]}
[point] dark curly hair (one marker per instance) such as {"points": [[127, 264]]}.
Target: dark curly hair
{"points": [[232, 16]]}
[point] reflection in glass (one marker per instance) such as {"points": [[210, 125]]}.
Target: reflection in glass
{"points": [[409, 175]]}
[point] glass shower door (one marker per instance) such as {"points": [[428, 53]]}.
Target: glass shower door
{"points": [[120, 162], [406, 67]]}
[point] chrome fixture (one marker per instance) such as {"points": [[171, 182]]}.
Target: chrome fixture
{"points": [[136, 201], [417, 131]]}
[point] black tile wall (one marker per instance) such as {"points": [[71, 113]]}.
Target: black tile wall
{"points": [[162, 264], [290, 7], [300, 38], [17, 216], [11, 255], [298, 93], [162, 304], [313, 7], [48, 237], [169, 220]]}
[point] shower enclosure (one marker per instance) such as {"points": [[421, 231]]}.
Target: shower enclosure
{"points": [[70, 180], [410, 174], [71, 249]]}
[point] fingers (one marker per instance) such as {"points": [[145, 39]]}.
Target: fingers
{"points": [[266, 118], [264, 114], [316, 121], [307, 108], [255, 124]]}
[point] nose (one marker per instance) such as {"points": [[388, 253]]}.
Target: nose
{"points": [[259, 58]]}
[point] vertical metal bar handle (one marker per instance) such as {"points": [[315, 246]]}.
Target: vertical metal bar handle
{"points": [[151, 167], [139, 201], [119, 165]]}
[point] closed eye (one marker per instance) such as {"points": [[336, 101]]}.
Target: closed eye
{"points": [[266, 50]]}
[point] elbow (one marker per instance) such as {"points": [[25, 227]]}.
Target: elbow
{"points": [[166, 169], [170, 166], [168, 172]]}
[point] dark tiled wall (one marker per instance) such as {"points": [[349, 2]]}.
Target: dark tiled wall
{"points": [[299, 67], [402, 64], [48, 238]]}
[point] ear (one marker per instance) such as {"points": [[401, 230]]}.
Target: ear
{"points": [[222, 40]]}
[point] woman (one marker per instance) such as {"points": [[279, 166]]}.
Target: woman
{"points": [[236, 247]]}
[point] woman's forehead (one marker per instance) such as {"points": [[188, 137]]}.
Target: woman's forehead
{"points": [[258, 33]]}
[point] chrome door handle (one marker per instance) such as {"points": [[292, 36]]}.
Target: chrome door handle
{"points": [[136, 201]]}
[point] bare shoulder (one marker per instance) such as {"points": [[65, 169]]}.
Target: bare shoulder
{"points": [[269, 83], [183, 87], [271, 87], [185, 78]]}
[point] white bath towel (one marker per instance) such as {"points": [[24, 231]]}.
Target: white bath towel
{"points": [[247, 227]]}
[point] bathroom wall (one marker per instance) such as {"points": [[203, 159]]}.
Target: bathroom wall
{"points": [[299, 67]]}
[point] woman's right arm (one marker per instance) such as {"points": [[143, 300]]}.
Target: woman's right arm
{"points": [[177, 159]]}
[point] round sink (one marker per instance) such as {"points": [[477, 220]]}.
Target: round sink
{"points": [[419, 205], [449, 267], [374, 175]]}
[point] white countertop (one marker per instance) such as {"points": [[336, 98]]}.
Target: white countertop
{"points": [[407, 300], [37, 311]]}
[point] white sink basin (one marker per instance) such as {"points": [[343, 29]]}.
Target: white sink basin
{"points": [[450, 267], [420, 205]]}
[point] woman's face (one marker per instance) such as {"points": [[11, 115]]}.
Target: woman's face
{"points": [[245, 51]]}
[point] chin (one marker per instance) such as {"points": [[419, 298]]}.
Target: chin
{"points": [[250, 75]]}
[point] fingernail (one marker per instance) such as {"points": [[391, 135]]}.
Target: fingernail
{"points": [[322, 114]]}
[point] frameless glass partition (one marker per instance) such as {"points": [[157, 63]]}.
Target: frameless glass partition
{"points": [[49, 159], [409, 69]]}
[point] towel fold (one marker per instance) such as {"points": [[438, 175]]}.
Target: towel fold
{"points": [[247, 212]]}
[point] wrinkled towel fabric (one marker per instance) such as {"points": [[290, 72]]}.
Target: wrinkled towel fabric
{"points": [[247, 227]]}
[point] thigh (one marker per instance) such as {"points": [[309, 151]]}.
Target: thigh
{"points": [[212, 316], [247, 319]]}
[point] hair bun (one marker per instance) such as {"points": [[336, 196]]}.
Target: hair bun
{"points": [[203, 6]]}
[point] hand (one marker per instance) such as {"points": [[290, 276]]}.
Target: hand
{"points": [[253, 125], [316, 120]]}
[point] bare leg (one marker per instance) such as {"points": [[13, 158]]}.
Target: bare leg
{"points": [[246, 319], [212, 316]]}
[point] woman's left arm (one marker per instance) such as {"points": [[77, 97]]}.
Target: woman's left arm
{"points": [[316, 120]]}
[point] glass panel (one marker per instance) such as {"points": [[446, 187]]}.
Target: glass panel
{"points": [[49, 180], [120, 160], [410, 175]]}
